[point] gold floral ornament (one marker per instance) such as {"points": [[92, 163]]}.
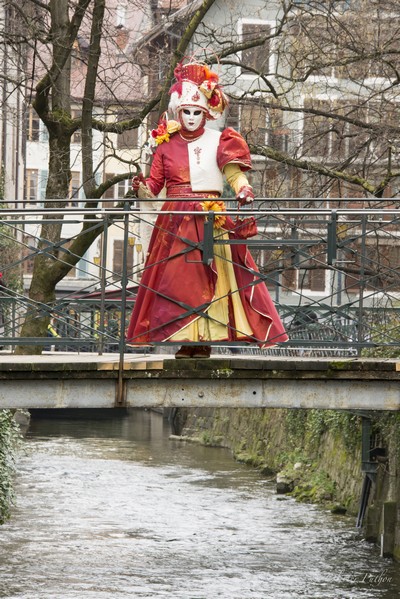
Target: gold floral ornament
{"points": [[164, 130], [207, 87], [173, 127], [216, 206], [216, 100]]}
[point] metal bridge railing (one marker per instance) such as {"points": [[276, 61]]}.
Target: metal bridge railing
{"points": [[333, 274]]}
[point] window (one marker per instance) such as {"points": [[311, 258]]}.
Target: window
{"points": [[385, 139], [31, 185], [337, 135], [380, 40], [313, 45], [29, 245], [127, 139], [376, 270], [314, 280], [232, 119], [123, 187], [348, 139], [311, 274], [278, 135], [316, 129], [74, 188], [277, 265], [256, 57], [110, 193], [33, 128], [118, 259], [253, 123], [120, 15], [43, 176], [77, 136]]}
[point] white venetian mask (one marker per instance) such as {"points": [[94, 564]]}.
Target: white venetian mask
{"points": [[192, 118]]}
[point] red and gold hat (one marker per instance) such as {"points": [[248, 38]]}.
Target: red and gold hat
{"points": [[196, 85]]}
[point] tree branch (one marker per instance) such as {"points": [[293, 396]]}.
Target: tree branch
{"points": [[181, 49], [89, 95], [308, 165], [50, 77]]}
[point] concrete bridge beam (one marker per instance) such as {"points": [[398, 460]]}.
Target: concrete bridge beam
{"points": [[91, 381]]}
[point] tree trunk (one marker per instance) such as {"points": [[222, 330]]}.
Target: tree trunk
{"points": [[42, 290], [45, 275]]}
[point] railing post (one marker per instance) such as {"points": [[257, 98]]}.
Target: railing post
{"points": [[120, 396], [208, 241], [103, 267], [360, 324], [331, 241], [368, 467]]}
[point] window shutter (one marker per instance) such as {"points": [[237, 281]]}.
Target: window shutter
{"points": [[118, 258], [258, 57], [43, 176]]}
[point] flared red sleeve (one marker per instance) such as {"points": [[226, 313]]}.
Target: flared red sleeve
{"points": [[233, 149], [156, 180]]}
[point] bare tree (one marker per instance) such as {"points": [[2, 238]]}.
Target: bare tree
{"points": [[317, 101], [54, 37]]}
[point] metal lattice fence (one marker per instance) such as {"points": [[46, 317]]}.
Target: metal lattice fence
{"points": [[333, 274]]}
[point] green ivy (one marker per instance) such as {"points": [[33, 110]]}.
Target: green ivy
{"points": [[296, 426], [306, 427], [346, 425], [9, 439]]}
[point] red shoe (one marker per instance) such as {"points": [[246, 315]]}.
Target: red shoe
{"points": [[203, 351], [186, 351]]}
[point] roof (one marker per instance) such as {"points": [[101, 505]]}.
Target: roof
{"points": [[167, 23], [110, 294]]}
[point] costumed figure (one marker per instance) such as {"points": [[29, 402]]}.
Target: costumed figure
{"points": [[181, 298]]}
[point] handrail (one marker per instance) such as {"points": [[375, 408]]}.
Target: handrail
{"points": [[357, 307]]}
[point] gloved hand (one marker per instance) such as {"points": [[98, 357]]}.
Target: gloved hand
{"points": [[245, 195], [136, 181]]}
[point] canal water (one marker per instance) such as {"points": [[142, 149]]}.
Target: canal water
{"points": [[111, 508]]}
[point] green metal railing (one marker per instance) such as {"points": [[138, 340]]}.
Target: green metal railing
{"points": [[332, 272]]}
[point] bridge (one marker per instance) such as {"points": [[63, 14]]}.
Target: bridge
{"points": [[330, 266], [159, 381]]}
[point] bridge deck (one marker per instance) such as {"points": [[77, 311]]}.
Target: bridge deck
{"points": [[91, 381]]}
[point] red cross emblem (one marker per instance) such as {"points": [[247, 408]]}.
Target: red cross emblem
{"points": [[197, 151]]}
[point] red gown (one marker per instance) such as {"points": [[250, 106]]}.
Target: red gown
{"points": [[176, 288]]}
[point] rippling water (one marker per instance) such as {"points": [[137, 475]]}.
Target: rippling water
{"points": [[112, 508]]}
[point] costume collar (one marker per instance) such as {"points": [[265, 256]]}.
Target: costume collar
{"points": [[191, 135]]}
